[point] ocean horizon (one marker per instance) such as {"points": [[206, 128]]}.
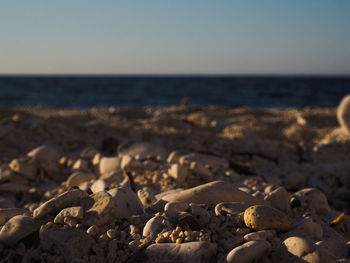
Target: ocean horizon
{"points": [[89, 90]]}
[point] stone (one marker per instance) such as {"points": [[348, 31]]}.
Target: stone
{"points": [[46, 153], [343, 113], [200, 214], [128, 163], [248, 252], [55, 204], [98, 186], [25, 167], [109, 165], [334, 248], [146, 196], [194, 252], [70, 242], [153, 226], [178, 172], [8, 213], [173, 209], [126, 202], [201, 170], [101, 211], [77, 178], [81, 165], [260, 235], [313, 200], [303, 249], [17, 228], [279, 199], [261, 217], [211, 194], [76, 212], [308, 226], [232, 208]]}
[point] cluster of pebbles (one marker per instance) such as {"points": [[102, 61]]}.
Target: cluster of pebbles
{"points": [[175, 184]]}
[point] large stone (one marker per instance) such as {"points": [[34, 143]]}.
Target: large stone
{"points": [[212, 193], [78, 178], [194, 252], [280, 199], [343, 113], [55, 204], [261, 217], [248, 252], [17, 228]]}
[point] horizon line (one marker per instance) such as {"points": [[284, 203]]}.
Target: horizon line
{"points": [[184, 75]]}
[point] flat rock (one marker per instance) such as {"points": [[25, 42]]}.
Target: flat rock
{"points": [[17, 228], [191, 252], [212, 193], [261, 217]]}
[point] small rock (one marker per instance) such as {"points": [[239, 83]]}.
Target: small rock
{"points": [[128, 163], [279, 199], [303, 249], [98, 186], [72, 212], [146, 196], [25, 167], [261, 217], [248, 252], [153, 226], [216, 163], [178, 172], [174, 157], [126, 202], [232, 208], [109, 164], [78, 178], [17, 228], [313, 199], [194, 252], [46, 153], [102, 210]]}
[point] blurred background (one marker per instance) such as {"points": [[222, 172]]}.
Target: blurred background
{"points": [[85, 54]]}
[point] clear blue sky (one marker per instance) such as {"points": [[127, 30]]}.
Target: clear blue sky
{"points": [[176, 37]]}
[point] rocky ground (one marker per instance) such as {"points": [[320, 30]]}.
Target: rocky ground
{"points": [[174, 184]]}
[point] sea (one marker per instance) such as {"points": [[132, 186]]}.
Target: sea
{"points": [[75, 91]]}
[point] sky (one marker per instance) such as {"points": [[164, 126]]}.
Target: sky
{"points": [[175, 37]]}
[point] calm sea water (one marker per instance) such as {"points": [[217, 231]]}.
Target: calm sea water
{"points": [[130, 91]]}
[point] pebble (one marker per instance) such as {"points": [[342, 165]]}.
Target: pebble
{"points": [[279, 199], [303, 249], [178, 172], [211, 194], [216, 163], [194, 252], [248, 252], [260, 235], [261, 217], [79, 178], [126, 203], [313, 200], [76, 212], [17, 228], [153, 226], [101, 211], [109, 165]]}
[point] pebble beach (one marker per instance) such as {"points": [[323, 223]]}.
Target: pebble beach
{"points": [[175, 184]]}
